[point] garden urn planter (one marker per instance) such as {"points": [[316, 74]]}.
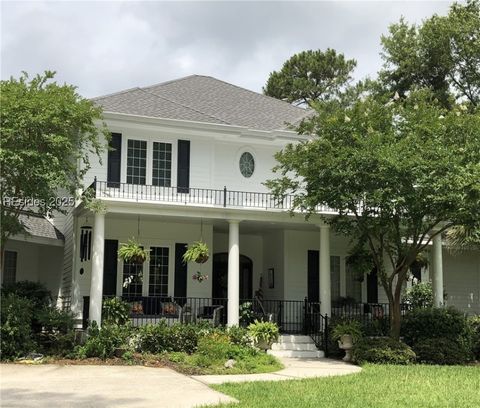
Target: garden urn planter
{"points": [[346, 343], [263, 345]]}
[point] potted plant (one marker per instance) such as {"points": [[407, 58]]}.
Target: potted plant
{"points": [[197, 252], [347, 334], [132, 252], [263, 334]]}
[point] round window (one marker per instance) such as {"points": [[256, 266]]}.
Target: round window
{"points": [[247, 164]]}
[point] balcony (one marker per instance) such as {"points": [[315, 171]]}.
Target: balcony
{"points": [[201, 197]]}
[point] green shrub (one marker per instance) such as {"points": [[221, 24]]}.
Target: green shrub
{"points": [[36, 292], [153, 338], [102, 342], [159, 338], [441, 351], [16, 329], [420, 295], [115, 311], [218, 347], [263, 331], [183, 337], [56, 336], [474, 322], [238, 335], [382, 351], [376, 327], [446, 323]]}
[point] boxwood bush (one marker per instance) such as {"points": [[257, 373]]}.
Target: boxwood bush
{"points": [[441, 351], [382, 350], [445, 328]]}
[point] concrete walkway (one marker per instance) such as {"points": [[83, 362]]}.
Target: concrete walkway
{"points": [[295, 368], [52, 386]]}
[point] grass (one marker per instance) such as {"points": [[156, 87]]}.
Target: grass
{"points": [[377, 386], [198, 364]]}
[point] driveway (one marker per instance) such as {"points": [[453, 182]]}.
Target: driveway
{"points": [[50, 386]]}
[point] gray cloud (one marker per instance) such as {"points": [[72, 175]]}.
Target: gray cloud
{"points": [[105, 47]]}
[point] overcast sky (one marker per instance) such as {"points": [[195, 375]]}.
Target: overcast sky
{"points": [[104, 47]]}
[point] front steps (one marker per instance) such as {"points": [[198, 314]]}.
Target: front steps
{"points": [[295, 346]]}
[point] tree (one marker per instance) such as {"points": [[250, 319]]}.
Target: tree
{"points": [[399, 172], [46, 131], [443, 54], [310, 76]]}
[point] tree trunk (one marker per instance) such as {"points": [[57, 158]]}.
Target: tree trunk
{"points": [[395, 318]]}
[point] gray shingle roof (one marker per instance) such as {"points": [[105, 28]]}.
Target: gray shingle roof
{"points": [[204, 99], [39, 226]]}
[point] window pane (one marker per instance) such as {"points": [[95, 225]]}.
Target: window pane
{"points": [[158, 272], [162, 164], [354, 286], [136, 162]]}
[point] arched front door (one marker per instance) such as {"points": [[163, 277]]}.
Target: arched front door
{"points": [[220, 276]]}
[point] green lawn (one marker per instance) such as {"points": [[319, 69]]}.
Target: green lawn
{"points": [[377, 386]]}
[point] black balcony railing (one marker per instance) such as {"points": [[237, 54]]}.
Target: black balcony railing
{"points": [[204, 197]]}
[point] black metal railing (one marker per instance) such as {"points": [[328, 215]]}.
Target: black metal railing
{"points": [[374, 317], [288, 314], [195, 196], [316, 325]]}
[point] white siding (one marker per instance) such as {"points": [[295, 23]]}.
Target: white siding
{"points": [[462, 280], [274, 257], [38, 263]]}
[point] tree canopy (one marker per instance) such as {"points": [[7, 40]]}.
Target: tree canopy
{"points": [[311, 76], [398, 172], [443, 53], [47, 129]]}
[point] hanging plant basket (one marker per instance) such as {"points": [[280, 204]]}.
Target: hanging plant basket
{"points": [[361, 263], [421, 260], [197, 252], [132, 252]]}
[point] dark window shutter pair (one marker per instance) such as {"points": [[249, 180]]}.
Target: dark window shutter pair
{"points": [[114, 163], [114, 160]]}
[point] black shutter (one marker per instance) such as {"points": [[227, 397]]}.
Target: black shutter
{"points": [[313, 276], [183, 166], [180, 286], [110, 267], [372, 286], [114, 160]]}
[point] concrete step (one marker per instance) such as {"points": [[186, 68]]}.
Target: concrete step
{"points": [[297, 353], [294, 338], [294, 346]]}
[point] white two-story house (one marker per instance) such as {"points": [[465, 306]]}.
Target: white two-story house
{"points": [[187, 162]]}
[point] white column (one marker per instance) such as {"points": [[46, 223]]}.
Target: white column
{"points": [[96, 285], [233, 273], [324, 266], [437, 278]]}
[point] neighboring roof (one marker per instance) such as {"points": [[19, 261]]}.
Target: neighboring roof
{"points": [[205, 99], [39, 226]]}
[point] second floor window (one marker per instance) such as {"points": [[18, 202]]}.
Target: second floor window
{"points": [[137, 162], [162, 164]]}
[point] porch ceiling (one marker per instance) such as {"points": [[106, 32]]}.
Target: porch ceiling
{"points": [[221, 226]]}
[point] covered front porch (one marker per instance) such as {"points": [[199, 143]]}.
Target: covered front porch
{"points": [[290, 271]]}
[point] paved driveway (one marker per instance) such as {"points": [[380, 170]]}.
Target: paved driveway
{"points": [[51, 386]]}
